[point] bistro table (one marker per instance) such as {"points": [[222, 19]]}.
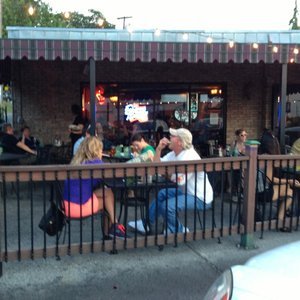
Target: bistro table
{"points": [[11, 158], [115, 158], [55, 154], [141, 190]]}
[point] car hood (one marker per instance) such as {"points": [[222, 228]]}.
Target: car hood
{"points": [[274, 274]]}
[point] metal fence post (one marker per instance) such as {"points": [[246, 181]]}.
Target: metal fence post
{"points": [[247, 238], [1, 233]]}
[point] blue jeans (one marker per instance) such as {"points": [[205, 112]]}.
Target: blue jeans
{"points": [[165, 206]]}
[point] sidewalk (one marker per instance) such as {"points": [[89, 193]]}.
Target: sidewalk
{"points": [[184, 272]]}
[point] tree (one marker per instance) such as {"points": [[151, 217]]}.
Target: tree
{"points": [[15, 13], [294, 20]]}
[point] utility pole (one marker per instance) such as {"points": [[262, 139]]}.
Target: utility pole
{"points": [[124, 20]]}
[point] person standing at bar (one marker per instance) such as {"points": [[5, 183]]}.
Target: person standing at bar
{"points": [[77, 126]]}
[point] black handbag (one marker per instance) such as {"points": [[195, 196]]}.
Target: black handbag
{"points": [[53, 221]]}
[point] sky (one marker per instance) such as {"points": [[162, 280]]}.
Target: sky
{"points": [[215, 15]]}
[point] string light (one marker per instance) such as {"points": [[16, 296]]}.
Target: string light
{"points": [[209, 40], [67, 15], [185, 37], [100, 22], [231, 44], [157, 32], [31, 10]]}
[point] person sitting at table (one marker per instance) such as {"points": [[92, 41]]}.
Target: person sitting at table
{"points": [[191, 188], [295, 150], [282, 187], [144, 152], [11, 144], [237, 148], [79, 200], [85, 133], [27, 139]]}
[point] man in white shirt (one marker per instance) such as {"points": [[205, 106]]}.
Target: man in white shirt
{"points": [[190, 190]]}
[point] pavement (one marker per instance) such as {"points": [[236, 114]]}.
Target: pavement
{"points": [[183, 272]]}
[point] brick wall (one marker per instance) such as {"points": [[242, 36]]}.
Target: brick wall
{"points": [[44, 90]]}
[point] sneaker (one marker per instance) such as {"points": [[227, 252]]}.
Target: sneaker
{"points": [[235, 199], [118, 231], [139, 226]]}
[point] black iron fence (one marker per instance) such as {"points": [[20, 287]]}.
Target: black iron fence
{"points": [[237, 206]]}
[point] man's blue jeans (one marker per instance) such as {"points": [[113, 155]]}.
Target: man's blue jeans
{"points": [[165, 206]]}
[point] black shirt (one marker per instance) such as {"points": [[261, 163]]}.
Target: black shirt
{"points": [[74, 137], [9, 143], [30, 142]]}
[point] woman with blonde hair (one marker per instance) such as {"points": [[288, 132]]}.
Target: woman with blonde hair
{"points": [[85, 197]]}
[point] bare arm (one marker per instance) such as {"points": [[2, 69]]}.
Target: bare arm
{"points": [[26, 148], [277, 180], [76, 129], [163, 143]]}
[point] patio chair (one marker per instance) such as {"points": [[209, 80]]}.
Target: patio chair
{"points": [[57, 191]]}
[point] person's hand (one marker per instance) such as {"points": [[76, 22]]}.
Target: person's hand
{"points": [[163, 143], [294, 183]]}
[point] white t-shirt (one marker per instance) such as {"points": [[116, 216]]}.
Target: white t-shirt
{"points": [[191, 154]]}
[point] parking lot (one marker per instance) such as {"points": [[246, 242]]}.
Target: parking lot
{"points": [[183, 272]]}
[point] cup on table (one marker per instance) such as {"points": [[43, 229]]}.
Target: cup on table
{"points": [[149, 178], [112, 151]]}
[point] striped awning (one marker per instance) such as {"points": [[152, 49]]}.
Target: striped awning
{"points": [[130, 51]]}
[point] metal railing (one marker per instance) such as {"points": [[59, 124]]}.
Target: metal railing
{"points": [[26, 193]]}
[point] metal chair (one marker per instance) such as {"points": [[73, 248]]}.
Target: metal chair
{"points": [[57, 191]]}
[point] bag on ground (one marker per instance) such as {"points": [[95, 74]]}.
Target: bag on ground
{"points": [[53, 221]]}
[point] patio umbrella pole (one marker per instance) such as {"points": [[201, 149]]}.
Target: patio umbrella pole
{"points": [[283, 106], [92, 95]]}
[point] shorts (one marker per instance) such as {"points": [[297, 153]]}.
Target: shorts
{"points": [[75, 211]]}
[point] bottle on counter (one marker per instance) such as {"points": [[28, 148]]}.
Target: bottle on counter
{"points": [[220, 151]]}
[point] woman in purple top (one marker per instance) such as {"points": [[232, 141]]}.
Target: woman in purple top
{"points": [[84, 197]]}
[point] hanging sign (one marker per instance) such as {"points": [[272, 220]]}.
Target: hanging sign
{"points": [[135, 112]]}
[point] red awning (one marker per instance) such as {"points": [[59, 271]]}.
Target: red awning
{"points": [[146, 51]]}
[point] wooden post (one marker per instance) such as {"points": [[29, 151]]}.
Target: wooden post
{"points": [[247, 238]]}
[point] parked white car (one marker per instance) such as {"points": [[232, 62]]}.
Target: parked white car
{"points": [[272, 275]]}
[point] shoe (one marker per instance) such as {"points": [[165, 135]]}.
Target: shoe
{"points": [[288, 213], [139, 226], [285, 229], [118, 231], [235, 199]]}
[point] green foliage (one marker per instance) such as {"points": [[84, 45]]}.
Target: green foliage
{"points": [[15, 13]]}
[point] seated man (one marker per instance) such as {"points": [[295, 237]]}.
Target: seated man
{"points": [[143, 151], [11, 144], [85, 133], [190, 189]]}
